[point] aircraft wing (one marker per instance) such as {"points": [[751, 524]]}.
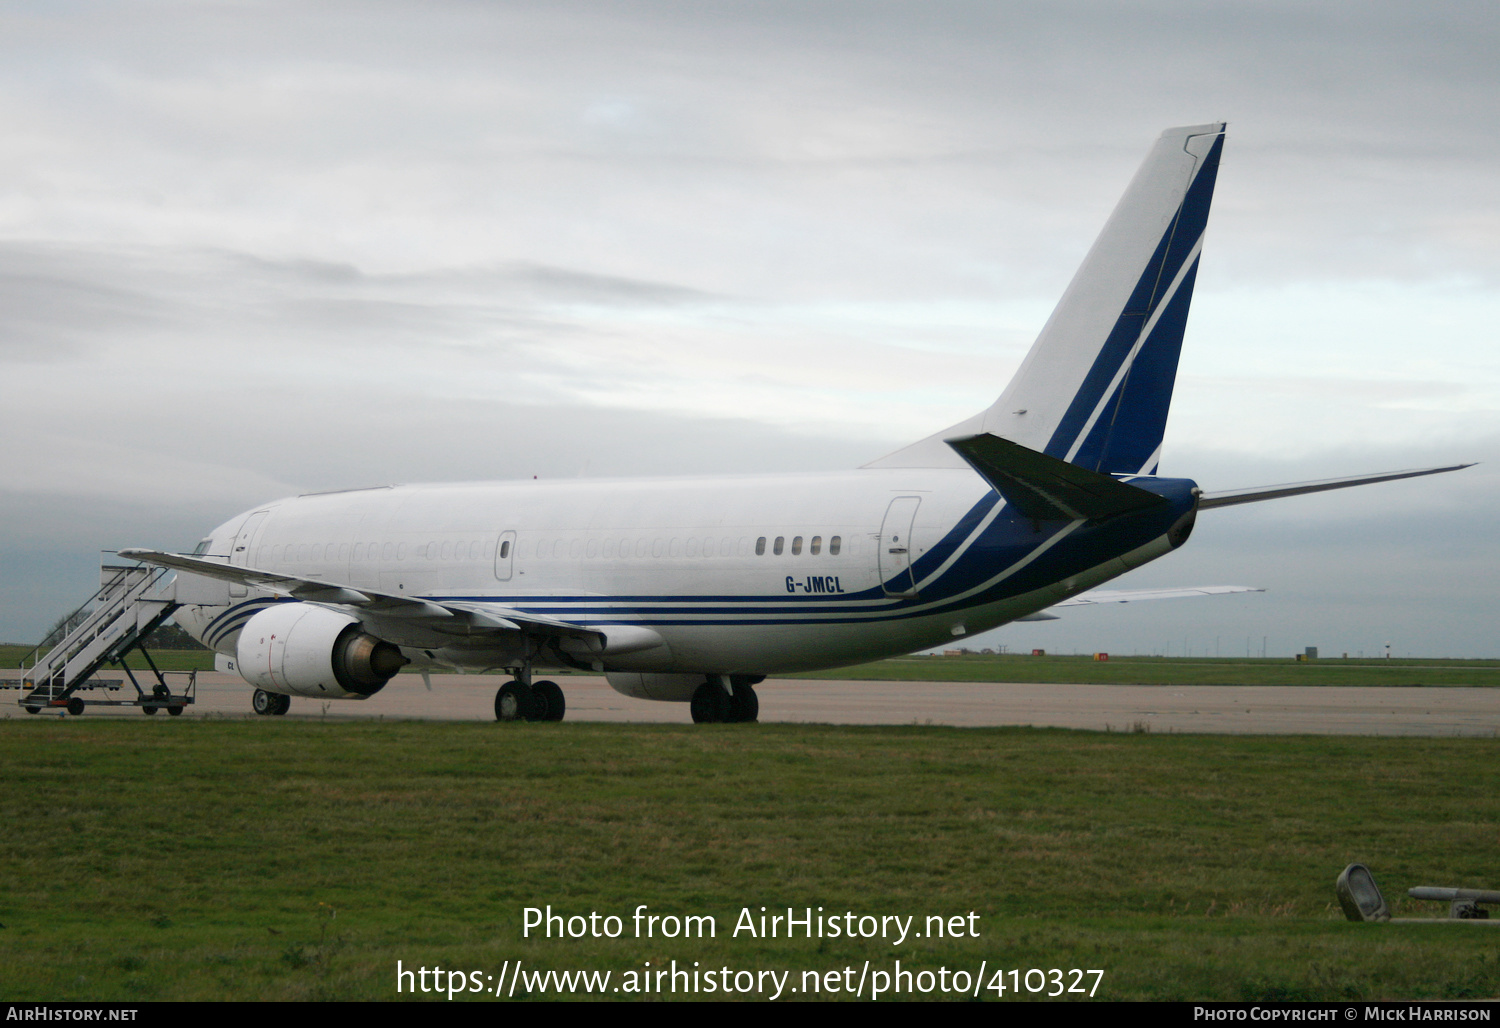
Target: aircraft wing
{"points": [[1229, 497], [448, 618], [1133, 595]]}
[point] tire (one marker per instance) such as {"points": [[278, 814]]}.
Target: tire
{"points": [[551, 704], [515, 702], [263, 703], [282, 705], [148, 710], [709, 704], [744, 705], [33, 710], [75, 707], [175, 711]]}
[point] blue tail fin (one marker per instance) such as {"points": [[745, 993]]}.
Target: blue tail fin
{"points": [[1095, 388]]}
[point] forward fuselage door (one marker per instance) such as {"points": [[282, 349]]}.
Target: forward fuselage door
{"points": [[242, 547], [896, 550], [505, 556]]}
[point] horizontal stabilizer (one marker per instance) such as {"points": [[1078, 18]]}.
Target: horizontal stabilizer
{"points": [[1047, 488], [1230, 497], [1135, 595]]}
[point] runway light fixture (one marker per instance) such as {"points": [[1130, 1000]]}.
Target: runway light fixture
{"points": [[1360, 896]]}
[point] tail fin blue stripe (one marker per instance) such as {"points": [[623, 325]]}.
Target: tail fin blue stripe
{"points": [[1128, 430]]}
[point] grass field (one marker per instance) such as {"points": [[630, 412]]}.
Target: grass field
{"points": [[266, 859]]}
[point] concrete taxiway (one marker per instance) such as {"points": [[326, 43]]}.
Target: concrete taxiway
{"points": [[1119, 708]]}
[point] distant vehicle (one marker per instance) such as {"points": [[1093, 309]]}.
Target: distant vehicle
{"points": [[695, 589]]}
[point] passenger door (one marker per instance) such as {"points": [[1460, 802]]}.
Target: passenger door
{"points": [[896, 550]]}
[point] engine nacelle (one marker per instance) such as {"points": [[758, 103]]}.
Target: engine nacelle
{"points": [[299, 649]]}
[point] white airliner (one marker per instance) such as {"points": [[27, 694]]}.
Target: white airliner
{"points": [[695, 589]]}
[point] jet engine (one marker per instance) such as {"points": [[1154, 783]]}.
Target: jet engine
{"points": [[304, 650]]}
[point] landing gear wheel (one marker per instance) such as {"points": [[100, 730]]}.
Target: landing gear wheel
{"points": [[75, 707], [549, 700], [515, 702], [176, 711], [744, 705], [267, 704], [710, 704]]}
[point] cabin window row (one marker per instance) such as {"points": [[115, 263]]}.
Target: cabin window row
{"points": [[814, 546], [693, 547]]}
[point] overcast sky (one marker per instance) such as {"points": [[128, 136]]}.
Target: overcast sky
{"points": [[252, 249]]}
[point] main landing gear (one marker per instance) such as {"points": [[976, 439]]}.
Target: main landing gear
{"points": [[539, 701], [271, 704], [712, 703]]}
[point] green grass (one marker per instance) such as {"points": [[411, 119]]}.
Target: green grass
{"points": [[265, 859], [168, 660]]}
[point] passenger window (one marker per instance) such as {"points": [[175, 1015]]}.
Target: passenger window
{"points": [[505, 549], [760, 546], [816, 545], [833, 546], [797, 546], [779, 545]]}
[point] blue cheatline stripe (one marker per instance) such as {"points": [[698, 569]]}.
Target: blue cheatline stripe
{"points": [[235, 617], [1175, 246]]}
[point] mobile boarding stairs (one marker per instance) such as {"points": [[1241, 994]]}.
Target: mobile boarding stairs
{"points": [[62, 673]]}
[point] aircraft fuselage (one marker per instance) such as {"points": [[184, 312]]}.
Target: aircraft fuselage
{"points": [[735, 575]]}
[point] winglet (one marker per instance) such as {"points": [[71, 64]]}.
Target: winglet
{"points": [[1046, 488]]}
